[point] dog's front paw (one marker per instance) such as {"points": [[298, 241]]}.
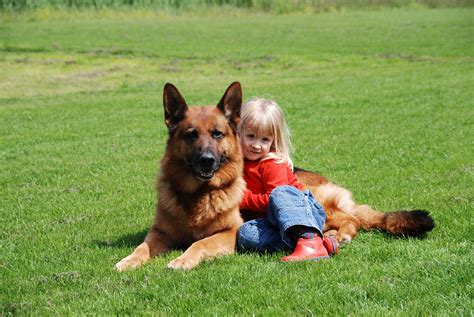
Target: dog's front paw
{"points": [[183, 263], [127, 264], [343, 239]]}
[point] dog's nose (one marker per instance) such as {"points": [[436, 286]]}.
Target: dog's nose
{"points": [[207, 160]]}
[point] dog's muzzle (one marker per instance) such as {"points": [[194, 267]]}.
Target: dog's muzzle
{"points": [[205, 164]]}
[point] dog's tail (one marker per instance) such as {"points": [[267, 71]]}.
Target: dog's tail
{"points": [[413, 223]]}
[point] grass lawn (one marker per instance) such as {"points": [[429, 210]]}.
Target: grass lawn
{"points": [[380, 101]]}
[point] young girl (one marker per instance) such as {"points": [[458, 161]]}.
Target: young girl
{"points": [[287, 217]]}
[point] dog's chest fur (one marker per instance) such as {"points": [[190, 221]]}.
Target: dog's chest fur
{"points": [[198, 214]]}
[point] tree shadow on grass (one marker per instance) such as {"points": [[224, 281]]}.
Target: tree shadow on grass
{"points": [[124, 241]]}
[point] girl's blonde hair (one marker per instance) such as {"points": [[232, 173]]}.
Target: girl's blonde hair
{"points": [[265, 115]]}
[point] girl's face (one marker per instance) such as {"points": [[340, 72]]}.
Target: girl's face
{"points": [[256, 145]]}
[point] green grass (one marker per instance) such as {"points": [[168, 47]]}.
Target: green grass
{"points": [[178, 6], [380, 102]]}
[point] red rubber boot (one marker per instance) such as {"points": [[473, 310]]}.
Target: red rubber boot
{"points": [[308, 249], [331, 244]]}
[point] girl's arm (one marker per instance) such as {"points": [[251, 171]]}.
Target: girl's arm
{"points": [[273, 175]]}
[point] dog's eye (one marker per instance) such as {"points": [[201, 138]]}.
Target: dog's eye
{"points": [[191, 135], [216, 134]]}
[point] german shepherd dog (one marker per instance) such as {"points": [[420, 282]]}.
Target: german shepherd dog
{"points": [[200, 184]]}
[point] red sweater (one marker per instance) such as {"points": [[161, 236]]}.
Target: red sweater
{"points": [[262, 177]]}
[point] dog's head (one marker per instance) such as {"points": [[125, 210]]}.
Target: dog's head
{"points": [[203, 139]]}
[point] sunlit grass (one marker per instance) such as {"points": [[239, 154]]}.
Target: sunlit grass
{"points": [[378, 101]]}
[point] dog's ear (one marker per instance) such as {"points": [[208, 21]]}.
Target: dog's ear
{"points": [[175, 106], [231, 103]]}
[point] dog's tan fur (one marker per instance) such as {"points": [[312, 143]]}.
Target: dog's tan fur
{"points": [[200, 215]]}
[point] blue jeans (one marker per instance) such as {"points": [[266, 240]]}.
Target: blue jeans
{"points": [[288, 207]]}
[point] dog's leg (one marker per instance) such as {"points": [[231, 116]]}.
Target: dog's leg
{"points": [[337, 202], [218, 244], [345, 225], [154, 244]]}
